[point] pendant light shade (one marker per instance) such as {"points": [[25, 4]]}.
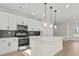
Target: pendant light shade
{"points": [[45, 23], [55, 26], [51, 25]]}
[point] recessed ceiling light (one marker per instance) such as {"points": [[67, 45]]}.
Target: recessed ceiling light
{"points": [[33, 13], [67, 6], [74, 17], [55, 26]]}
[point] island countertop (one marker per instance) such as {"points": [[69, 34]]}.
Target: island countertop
{"points": [[45, 45], [46, 38]]}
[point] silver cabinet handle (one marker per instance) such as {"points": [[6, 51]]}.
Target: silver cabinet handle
{"points": [[9, 44]]}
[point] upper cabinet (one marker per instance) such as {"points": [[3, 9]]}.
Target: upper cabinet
{"points": [[3, 21], [9, 22], [33, 25], [12, 22], [19, 20]]}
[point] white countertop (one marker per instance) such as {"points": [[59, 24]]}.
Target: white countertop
{"points": [[45, 38]]}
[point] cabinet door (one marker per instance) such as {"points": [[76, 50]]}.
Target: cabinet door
{"points": [[12, 22], [4, 44], [19, 20], [29, 28], [3, 21], [14, 44]]}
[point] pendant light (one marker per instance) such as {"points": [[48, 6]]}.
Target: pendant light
{"points": [[55, 19], [51, 25], [45, 23]]}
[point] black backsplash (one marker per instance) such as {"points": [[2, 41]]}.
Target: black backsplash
{"points": [[34, 33], [7, 33]]}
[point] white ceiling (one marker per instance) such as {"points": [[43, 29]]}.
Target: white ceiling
{"points": [[36, 10]]}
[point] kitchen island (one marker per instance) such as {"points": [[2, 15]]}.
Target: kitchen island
{"points": [[45, 46]]}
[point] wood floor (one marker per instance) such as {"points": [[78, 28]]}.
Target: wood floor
{"points": [[18, 53], [70, 48]]}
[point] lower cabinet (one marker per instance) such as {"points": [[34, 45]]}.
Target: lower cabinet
{"points": [[13, 44], [8, 45], [4, 44]]}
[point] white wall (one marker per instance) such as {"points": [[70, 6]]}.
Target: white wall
{"points": [[62, 30], [65, 30]]}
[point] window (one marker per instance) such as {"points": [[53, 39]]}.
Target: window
{"points": [[76, 30]]}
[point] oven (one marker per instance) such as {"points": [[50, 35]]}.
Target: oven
{"points": [[23, 41], [23, 37]]}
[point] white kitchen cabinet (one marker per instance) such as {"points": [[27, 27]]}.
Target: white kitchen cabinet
{"points": [[24, 21], [7, 20], [12, 22], [8, 45], [33, 25], [4, 44], [29, 28], [33, 28], [19, 18], [3, 21], [14, 44]]}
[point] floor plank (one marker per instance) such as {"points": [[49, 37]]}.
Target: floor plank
{"points": [[70, 48]]}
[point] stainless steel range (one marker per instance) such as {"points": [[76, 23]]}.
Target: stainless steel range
{"points": [[23, 38]]}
